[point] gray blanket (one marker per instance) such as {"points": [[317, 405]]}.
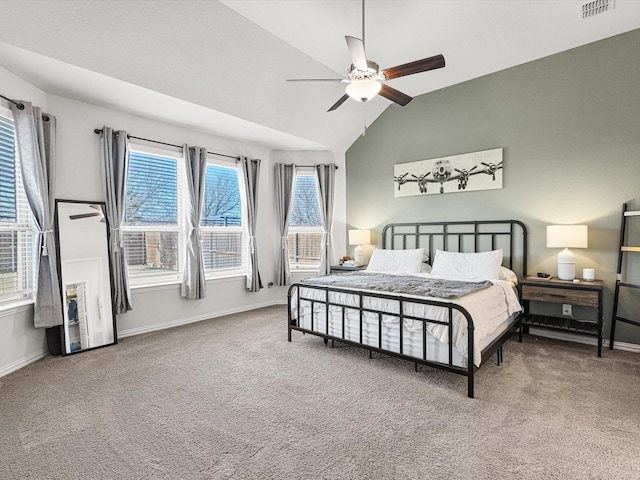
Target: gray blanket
{"points": [[410, 285]]}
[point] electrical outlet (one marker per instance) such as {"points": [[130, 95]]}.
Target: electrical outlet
{"points": [[566, 309]]}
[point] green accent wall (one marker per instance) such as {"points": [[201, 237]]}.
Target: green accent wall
{"points": [[569, 125]]}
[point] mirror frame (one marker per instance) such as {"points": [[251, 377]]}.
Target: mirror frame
{"points": [[64, 327]]}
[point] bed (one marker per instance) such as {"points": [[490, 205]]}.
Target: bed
{"points": [[453, 317]]}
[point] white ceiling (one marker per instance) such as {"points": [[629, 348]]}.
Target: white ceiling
{"points": [[220, 66]]}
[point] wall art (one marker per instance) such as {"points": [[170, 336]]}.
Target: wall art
{"points": [[457, 173]]}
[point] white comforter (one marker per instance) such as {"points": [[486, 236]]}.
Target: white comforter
{"points": [[489, 308]]}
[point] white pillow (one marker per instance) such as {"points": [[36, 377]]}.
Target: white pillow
{"points": [[396, 261], [471, 267], [508, 275]]}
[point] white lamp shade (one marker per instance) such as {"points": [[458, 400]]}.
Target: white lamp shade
{"points": [[363, 90], [567, 236], [359, 237]]}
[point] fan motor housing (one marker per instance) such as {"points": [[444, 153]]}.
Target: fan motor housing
{"points": [[371, 73]]}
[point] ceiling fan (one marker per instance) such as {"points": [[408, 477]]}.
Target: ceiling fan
{"points": [[365, 79]]}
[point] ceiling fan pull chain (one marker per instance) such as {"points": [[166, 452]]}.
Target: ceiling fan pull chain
{"points": [[364, 118]]}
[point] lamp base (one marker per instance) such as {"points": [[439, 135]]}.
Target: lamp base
{"points": [[358, 256], [566, 265]]}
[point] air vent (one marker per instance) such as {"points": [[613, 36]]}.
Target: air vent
{"points": [[591, 9]]}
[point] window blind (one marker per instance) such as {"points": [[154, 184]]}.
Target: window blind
{"points": [[7, 172], [17, 261], [152, 190]]}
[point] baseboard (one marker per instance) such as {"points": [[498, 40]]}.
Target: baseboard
{"points": [[627, 347], [587, 340], [23, 362], [198, 318]]}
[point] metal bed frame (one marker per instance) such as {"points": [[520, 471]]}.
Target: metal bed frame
{"points": [[472, 236]]}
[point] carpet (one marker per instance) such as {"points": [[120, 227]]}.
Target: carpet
{"points": [[230, 398]]}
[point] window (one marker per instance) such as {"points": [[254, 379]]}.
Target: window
{"points": [[223, 233], [17, 262], [153, 218], [305, 227], [154, 229]]}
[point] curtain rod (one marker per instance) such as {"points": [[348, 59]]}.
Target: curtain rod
{"points": [[308, 166], [98, 131], [21, 107], [17, 104]]}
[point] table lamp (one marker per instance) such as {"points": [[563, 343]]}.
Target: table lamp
{"points": [[359, 238], [566, 236]]}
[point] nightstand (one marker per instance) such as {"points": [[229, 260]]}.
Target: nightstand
{"points": [[342, 269], [588, 294]]}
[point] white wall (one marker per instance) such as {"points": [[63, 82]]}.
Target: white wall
{"points": [[79, 178]]}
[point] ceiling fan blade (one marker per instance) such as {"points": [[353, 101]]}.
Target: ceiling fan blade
{"points": [[356, 50], [394, 95], [84, 215], [338, 103], [317, 80], [418, 66]]}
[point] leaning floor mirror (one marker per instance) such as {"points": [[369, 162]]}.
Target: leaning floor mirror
{"points": [[85, 276]]}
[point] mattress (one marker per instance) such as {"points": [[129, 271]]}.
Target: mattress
{"points": [[493, 310]]}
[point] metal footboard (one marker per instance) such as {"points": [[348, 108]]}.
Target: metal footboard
{"points": [[402, 302]]}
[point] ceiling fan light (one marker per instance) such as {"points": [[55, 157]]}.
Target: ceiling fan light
{"points": [[363, 90]]}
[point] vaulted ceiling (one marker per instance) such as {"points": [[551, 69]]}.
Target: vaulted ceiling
{"points": [[221, 66]]}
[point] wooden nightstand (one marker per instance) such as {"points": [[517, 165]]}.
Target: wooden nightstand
{"points": [[588, 294], [342, 269]]}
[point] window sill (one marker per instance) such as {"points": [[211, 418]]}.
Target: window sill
{"points": [[224, 278], [305, 272], [152, 287], [155, 287], [16, 307]]}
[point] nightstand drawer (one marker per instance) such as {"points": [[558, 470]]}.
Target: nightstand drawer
{"points": [[560, 295]]}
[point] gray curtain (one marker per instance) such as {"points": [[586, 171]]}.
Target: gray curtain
{"points": [[326, 182], [36, 145], [114, 159], [193, 282], [285, 181], [249, 170]]}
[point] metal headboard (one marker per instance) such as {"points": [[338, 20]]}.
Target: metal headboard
{"points": [[472, 236]]}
